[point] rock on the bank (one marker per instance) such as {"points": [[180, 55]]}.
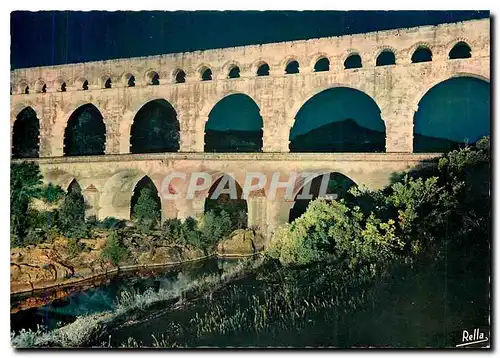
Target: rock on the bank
{"points": [[241, 242]]}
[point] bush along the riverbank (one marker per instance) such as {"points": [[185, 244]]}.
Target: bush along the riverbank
{"points": [[422, 215]]}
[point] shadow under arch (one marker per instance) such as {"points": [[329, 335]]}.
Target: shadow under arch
{"points": [[85, 132], [234, 125], [338, 119], [74, 186], [26, 134], [155, 128], [333, 184], [235, 205], [451, 114]]}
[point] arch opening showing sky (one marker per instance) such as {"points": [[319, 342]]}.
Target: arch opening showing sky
{"points": [[452, 113], [339, 119], [338, 184], [234, 125]]}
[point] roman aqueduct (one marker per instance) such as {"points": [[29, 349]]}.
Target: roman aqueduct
{"points": [[279, 77]]}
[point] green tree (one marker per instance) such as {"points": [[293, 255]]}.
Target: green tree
{"points": [[72, 215], [213, 228], [114, 251], [25, 184], [331, 230], [426, 214], [146, 212], [51, 194]]}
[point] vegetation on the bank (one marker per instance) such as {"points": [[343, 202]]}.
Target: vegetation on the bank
{"points": [[63, 213], [423, 214], [114, 251]]}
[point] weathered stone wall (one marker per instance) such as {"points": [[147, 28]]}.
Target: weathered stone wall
{"points": [[397, 89]]}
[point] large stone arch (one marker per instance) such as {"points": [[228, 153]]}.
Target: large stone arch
{"points": [[25, 134], [60, 118], [441, 125], [146, 183], [358, 128], [305, 96], [220, 133], [312, 185], [420, 91], [233, 206], [115, 200], [212, 101], [144, 138], [60, 177], [78, 138], [89, 191], [17, 107]]}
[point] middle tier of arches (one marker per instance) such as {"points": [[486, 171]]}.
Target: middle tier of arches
{"points": [[335, 119]]}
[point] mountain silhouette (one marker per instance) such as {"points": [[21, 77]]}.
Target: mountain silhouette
{"points": [[342, 136], [422, 144], [233, 141]]}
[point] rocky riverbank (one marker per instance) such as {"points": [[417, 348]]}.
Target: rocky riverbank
{"points": [[60, 267], [60, 262]]}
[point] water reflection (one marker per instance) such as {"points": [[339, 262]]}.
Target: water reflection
{"points": [[104, 297]]}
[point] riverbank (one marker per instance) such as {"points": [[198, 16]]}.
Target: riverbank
{"points": [[56, 267], [87, 328], [46, 272]]}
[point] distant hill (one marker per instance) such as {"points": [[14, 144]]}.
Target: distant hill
{"points": [[343, 136], [422, 144], [233, 141]]}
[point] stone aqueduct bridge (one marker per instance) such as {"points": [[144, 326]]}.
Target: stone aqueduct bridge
{"points": [[108, 181]]}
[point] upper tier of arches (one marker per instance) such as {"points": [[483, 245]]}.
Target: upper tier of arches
{"points": [[351, 59]]}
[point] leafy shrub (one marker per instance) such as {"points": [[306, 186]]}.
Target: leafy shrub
{"points": [[72, 215], [111, 223], [146, 212], [174, 231], [75, 247], [51, 194], [34, 237], [416, 217], [214, 228], [192, 234], [203, 234], [114, 251], [92, 221], [25, 184], [331, 230]]}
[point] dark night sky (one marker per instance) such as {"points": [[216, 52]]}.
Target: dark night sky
{"points": [[52, 38]]}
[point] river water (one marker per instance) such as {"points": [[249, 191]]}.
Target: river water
{"points": [[103, 297], [425, 307]]}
